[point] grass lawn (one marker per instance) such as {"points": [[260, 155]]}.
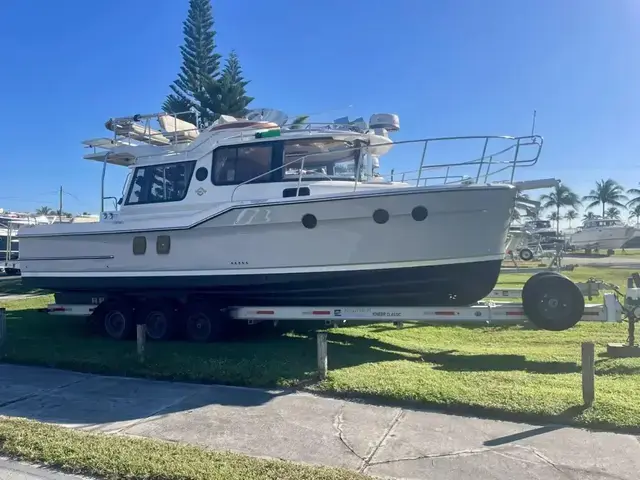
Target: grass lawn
{"points": [[506, 372], [117, 457]]}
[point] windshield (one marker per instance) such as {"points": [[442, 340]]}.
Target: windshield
{"points": [[542, 224]]}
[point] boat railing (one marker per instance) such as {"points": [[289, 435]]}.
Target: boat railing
{"points": [[480, 169], [164, 129], [493, 158], [158, 129]]}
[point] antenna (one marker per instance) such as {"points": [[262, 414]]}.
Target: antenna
{"points": [[533, 123]]}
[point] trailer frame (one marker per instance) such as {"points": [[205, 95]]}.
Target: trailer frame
{"points": [[487, 312]]}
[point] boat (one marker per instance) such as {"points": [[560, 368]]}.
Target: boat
{"points": [[250, 211], [602, 233], [543, 235]]}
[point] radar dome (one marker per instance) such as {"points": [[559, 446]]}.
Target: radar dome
{"points": [[388, 121]]}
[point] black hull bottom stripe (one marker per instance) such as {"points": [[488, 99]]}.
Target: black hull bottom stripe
{"points": [[458, 284]]}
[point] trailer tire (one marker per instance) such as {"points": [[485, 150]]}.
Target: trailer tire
{"points": [[526, 255], [159, 317], [552, 302], [204, 322], [117, 319]]}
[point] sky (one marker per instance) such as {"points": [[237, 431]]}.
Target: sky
{"points": [[446, 67]]}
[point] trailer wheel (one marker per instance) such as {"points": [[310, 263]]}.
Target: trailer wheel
{"points": [[159, 318], [204, 322], [525, 254], [117, 319], [552, 301]]}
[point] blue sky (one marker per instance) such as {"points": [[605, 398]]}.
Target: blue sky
{"points": [[457, 67]]}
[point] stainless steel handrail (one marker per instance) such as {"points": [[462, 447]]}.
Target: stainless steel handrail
{"points": [[485, 162]]}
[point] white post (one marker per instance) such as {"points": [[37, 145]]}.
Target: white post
{"points": [[588, 373], [141, 335], [322, 355]]}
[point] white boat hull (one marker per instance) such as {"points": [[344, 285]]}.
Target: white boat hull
{"points": [[603, 238], [264, 251]]}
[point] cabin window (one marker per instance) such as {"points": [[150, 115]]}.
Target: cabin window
{"points": [[320, 158], [240, 164], [160, 183]]}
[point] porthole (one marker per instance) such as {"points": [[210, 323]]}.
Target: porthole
{"points": [[163, 244], [201, 174], [381, 216], [309, 220], [139, 245], [419, 213]]}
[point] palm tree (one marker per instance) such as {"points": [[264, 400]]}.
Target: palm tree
{"points": [[553, 216], [636, 199], [561, 197], [635, 213], [570, 216], [607, 192], [44, 211], [590, 216], [612, 212]]}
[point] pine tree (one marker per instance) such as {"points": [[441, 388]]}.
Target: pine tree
{"points": [[230, 93], [200, 65]]}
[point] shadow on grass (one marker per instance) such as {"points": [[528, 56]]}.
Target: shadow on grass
{"points": [[380, 328], [13, 286], [449, 360]]}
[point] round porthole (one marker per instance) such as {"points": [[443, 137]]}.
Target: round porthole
{"points": [[201, 174], [419, 213], [309, 221], [381, 216]]}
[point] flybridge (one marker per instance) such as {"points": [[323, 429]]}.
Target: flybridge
{"points": [[176, 135]]}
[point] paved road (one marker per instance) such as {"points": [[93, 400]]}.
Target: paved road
{"points": [[383, 441], [614, 261], [12, 470]]}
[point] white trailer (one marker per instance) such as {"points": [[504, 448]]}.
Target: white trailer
{"points": [[549, 301]]}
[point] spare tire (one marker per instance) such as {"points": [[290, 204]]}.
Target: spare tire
{"points": [[552, 302]]}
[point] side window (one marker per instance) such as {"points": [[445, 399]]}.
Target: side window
{"points": [[160, 183], [234, 165]]}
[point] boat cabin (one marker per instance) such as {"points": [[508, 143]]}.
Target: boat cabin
{"points": [[601, 223], [243, 159], [538, 225]]}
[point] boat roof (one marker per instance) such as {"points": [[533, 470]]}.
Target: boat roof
{"points": [[135, 138]]}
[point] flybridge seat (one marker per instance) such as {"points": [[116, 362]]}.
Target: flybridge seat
{"points": [[176, 129], [135, 131]]}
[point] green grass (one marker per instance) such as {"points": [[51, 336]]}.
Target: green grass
{"points": [[118, 457], [504, 372]]}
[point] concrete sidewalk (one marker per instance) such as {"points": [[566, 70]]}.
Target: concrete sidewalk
{"points": [[382, 441], [12, 470]]}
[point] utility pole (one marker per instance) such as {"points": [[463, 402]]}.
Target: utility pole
{"points": [[60, 206]]}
